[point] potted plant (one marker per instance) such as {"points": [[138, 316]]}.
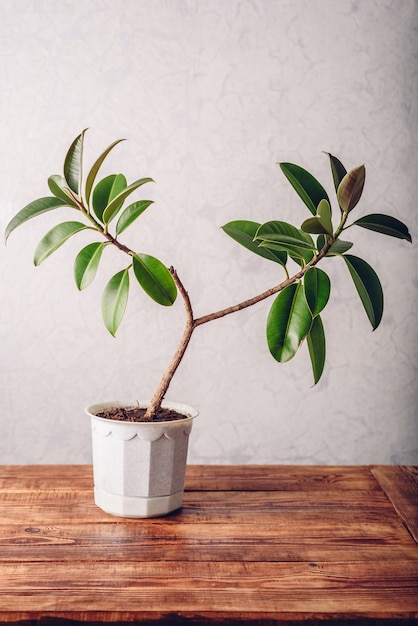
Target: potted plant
{"points": [[148, 440]]}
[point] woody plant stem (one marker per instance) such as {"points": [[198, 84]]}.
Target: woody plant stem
{"points": [[192, 323]]}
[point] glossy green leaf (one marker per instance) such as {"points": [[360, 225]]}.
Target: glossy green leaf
{"points": [[116, 203], [86, 264], [317, 288], [288, 322], [320, 242], [320, 223], [114, 300], [324, 214], [314, 226], [58, 186], [384, 224], [91, 176], [55, 238], [368, 287], [282, 232], [101, 194], [155, 279], [339, 247], [73, 164], [306, 186], [337, 169], [31, 210], [276, 235], [286, 240], [300, 255], [118, 186], [244, 231], [130, 214], [351, 187], [317, 348]]}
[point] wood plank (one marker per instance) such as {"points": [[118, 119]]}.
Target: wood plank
{"points": [[321, 588], [67, 477], [29, 506], [401, 487], [204, 477], [207, 542], [216, 500], [279, 478]]}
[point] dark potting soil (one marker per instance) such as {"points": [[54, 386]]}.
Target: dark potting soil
{"points": [[136, 414]]}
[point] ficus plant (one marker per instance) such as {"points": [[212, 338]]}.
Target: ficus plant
{"points": [[295, 314]]}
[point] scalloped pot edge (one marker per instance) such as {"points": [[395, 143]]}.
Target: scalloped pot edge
{"points": [[144, 430]]}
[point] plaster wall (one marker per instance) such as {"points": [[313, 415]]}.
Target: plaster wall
{"points": [[211, 95]]}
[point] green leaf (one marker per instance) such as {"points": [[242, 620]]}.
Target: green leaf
{"points": [[314, 226], [306, 186], [105, 192], [384, 224], [288, 322], [155, 279], [116, 203], [317, 288], [114, 300], [91, 176], [321, 222], [55, 238], [351, 187], [317, 348], [244, 231], [338, 170], [86, 264], [282, 232], [73, 164], [368, 287], [58, 187], [298, 254], [320, 242], [277, 235], [31, 210], [101, 194], [130, 214], [324, 214], [339, 247], [286, 240], [118, 186]]}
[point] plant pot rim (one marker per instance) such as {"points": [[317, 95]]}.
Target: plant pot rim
{"points": [[188, 411]]}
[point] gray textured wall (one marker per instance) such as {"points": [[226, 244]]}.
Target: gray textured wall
{"points": [[211, 95]]}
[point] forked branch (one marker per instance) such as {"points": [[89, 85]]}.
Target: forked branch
{"points": [[192, 324]]}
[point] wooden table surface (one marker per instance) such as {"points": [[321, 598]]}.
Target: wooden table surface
{"points": [[258, 545]]}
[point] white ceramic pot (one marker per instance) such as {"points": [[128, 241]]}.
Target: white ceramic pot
{"points": [[139, 467]]}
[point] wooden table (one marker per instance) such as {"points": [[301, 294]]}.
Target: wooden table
{"points": [[258, 545]]}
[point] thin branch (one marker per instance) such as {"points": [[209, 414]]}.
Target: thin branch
{"points": [[117, 243], [266, 294], [192, 324], [161, 390], [184, 294]]}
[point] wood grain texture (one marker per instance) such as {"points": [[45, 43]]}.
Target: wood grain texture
{"points": [[252, 544], [401, 486]]}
